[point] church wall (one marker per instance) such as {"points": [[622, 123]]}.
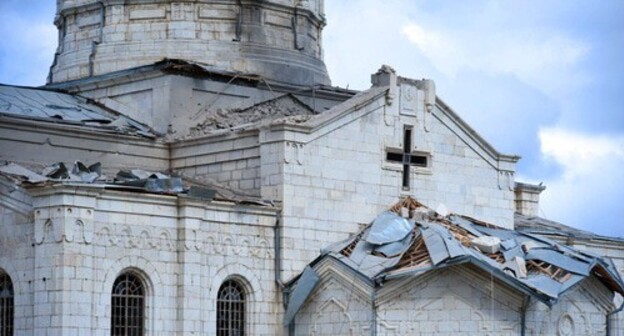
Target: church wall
{"points": [[140, 235], [239, 244], [611, 249], [456, 301], [16, 260], [339, 305], [582, 311], [233, 162], [337, 178], [250, 38], [64, 263]]}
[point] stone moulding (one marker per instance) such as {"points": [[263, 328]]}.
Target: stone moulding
{"points": [[123, 235], [63, 228]]}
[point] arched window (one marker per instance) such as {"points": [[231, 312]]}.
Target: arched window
{"points": [[6, 305], [128, 306], [231, 309]]}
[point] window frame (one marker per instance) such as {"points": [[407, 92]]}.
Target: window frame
{"points": [[7, 305], [240, 305], [134, 303]]}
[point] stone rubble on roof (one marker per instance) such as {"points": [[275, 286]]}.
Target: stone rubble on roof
{"points": [[285, 105]]}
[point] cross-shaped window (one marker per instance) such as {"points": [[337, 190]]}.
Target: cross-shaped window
{"points": [[407, 157]]}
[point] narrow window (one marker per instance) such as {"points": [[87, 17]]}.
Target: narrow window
{"points": [[406, 157], [128, 306], [6, 305], [231, 309]]}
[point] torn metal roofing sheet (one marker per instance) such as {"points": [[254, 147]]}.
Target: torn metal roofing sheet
{"points": [[542, 226], [306, 284], [63, 108], [533, 264], [388, 228], [136, 180]]}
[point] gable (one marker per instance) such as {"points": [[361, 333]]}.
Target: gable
{"points": [[452, 300]]}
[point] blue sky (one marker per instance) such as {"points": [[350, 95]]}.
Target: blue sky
{"points": [[541, 79]]}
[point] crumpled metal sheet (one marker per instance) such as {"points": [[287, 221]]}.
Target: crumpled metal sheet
{"points": [[503, 234], [87, 174], [55, 172], [435, 245], [305, 285], [465, 224], [150, 181], [387, 228], [395, 248], [367, 263], [509, 244], [557, 259], [22, 173], [378, 261], [544, 285], [338, 246]]}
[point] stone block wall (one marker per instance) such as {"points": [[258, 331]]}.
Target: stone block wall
{"points": [[34, 145], [248, 36], [82, 239], [340, 305], [16, 259], [459, 300], [337, 177], [581, 311], [234, 162], [454, 301]]}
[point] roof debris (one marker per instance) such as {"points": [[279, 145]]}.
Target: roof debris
{"points": [[285, 105], [394, 246], [137, 180], [62, 108]]}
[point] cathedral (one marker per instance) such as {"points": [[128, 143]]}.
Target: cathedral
{"points": [[188, 169]]}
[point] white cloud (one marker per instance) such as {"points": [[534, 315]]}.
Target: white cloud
{"points": [[540, 57], [588, 194]]}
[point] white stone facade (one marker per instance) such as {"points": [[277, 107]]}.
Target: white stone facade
{"points": [[314, 177], [457, 301], [64, 264]]}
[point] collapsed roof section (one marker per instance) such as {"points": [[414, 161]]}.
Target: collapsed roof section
{"points": [[265, 112], [411, 239], [61, 108], [132, 180]]}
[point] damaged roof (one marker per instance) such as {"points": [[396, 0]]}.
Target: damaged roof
{"points": [[62, 108], [133, 180], [411, 239], [286, 105], [542, 226]]}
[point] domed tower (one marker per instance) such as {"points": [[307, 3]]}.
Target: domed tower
{"points": [[279, 40]]}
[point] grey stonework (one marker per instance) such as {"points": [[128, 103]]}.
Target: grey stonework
{"points": [[277, 39]]}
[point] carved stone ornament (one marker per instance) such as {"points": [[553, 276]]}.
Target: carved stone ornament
{"points": [[123, 235], [565, 325], [64, 224]]}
